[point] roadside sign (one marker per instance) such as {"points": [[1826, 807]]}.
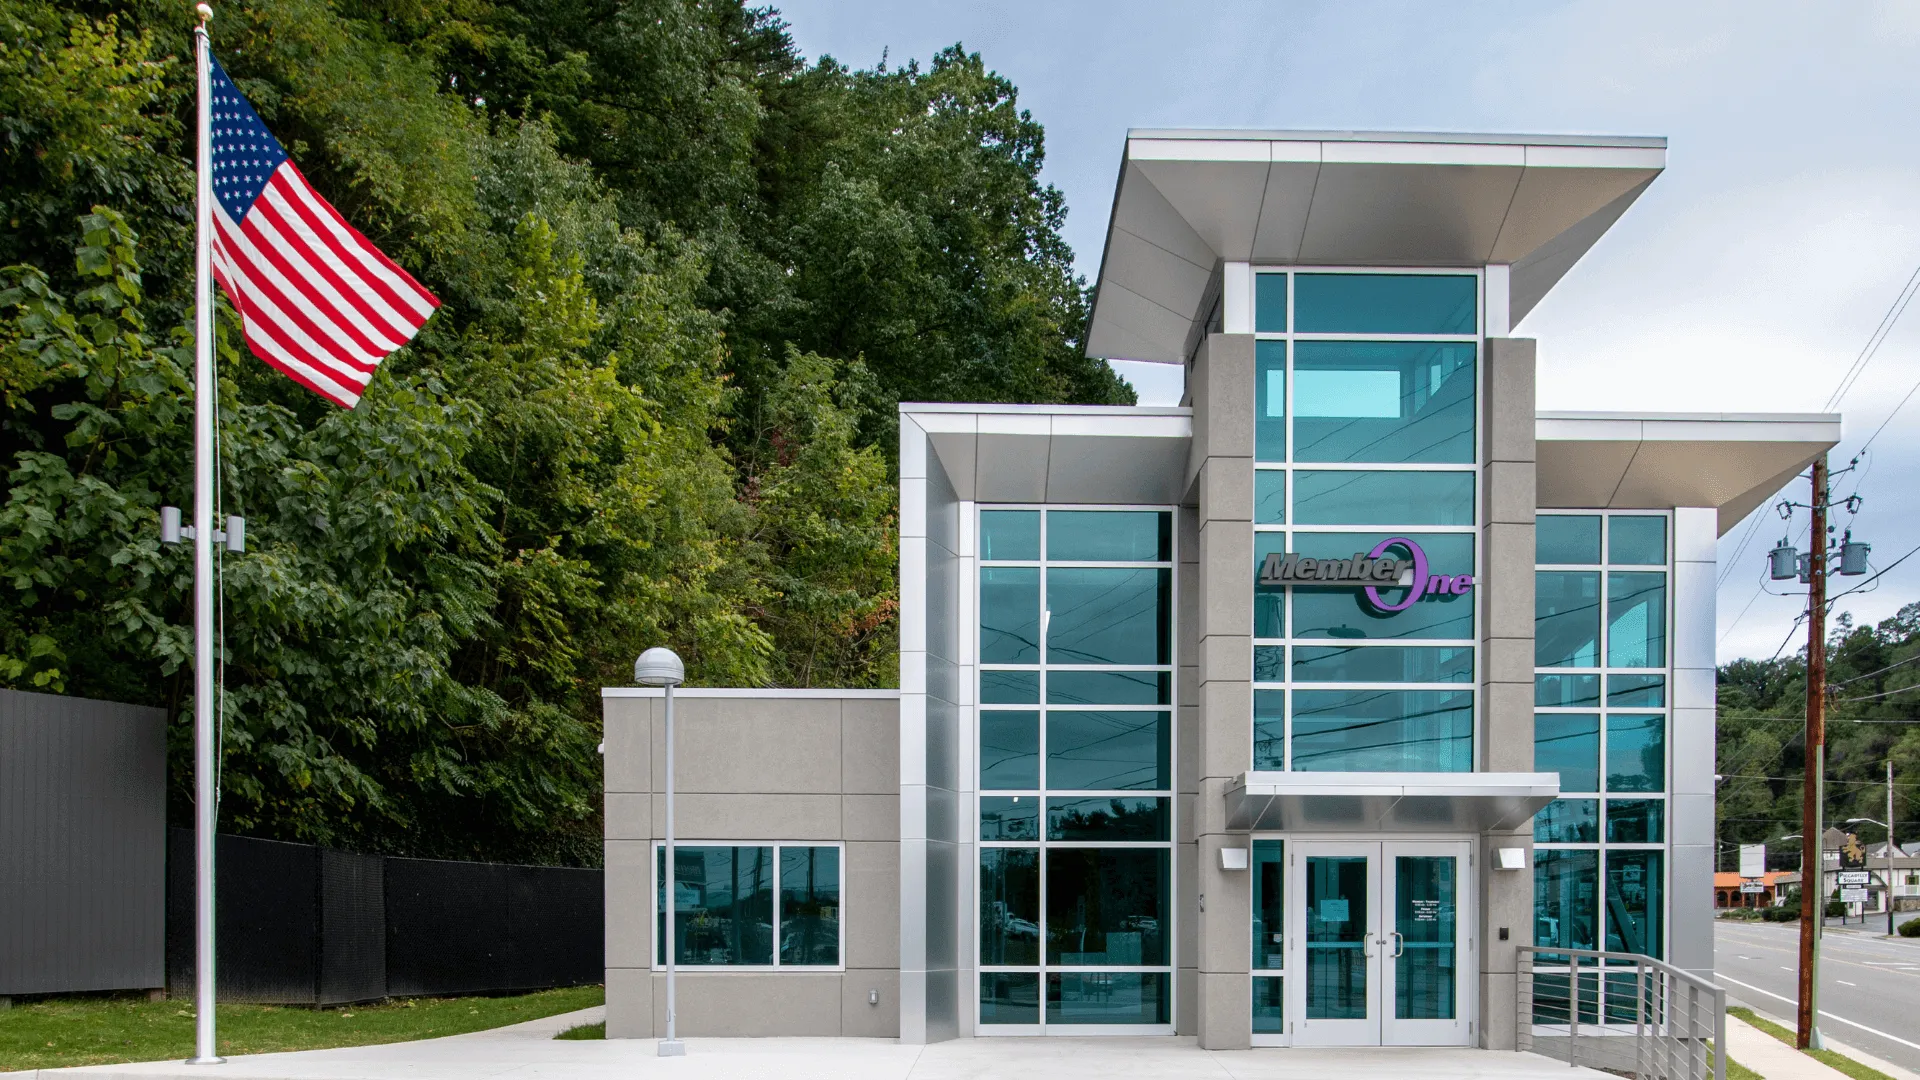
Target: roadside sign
{"points": [[1752, 887], [1753, 860], [1853, 854], [1855, 877], [1853, 896]]}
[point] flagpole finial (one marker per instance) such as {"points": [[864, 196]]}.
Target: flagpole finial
{"points": [[205, 11]]}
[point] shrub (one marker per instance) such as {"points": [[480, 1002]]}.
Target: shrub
{"points": [[1910, 928]]}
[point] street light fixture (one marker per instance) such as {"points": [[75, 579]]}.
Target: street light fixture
{"points": [[1889, 828], [662, 667]]}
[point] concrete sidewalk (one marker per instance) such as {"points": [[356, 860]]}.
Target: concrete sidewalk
{"points": [[528, 1055]]}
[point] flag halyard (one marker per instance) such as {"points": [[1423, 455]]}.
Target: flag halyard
{"points": [[317, 300]]}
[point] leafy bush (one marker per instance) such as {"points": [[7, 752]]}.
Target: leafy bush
{"points": [[1910, 928]]}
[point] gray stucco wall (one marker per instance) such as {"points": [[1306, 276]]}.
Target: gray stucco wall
{"points": [[1505, 742], [757, 765], [82, 845], [1221, 387]]}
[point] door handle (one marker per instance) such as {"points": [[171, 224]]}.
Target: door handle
{"points": [[1366, 945], [1399, 945]]}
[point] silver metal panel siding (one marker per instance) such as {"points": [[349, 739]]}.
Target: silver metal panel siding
{"points": [[82, 844]]}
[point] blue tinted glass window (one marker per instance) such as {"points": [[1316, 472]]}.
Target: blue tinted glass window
{"points": [[1636, 752], [1270, 497], [1009, 750], [1108, 751], [1382, 730], [1385, 304], [1568, 821], [1269, 601], [1636, 821], [1634, 540], [1109, 687], [1382, 663], [1564, 691], [1269, 663], [1270, 303], [1566, 618], [1356, 497], [1568, 744], [1269, 1004], [1107, 907], [1566, 539], [1009, 997], [1566, 900], [1636, 619], [1385, 401], [1107, 818], [1009, 909], [1119, 997], [1108, 616], [1009, 615], [1009, 817], [1635, 884], [810, 905], [1109, 535], [723, 905], [1010, 534], [1010, 687], [1270, 401], [1269, 906], [1637, 691], [1269, 729], [1345, 612]]}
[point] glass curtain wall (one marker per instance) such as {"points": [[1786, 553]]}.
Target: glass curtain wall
{"points": [[1076, 767], [1601, 654], [1366, 408]]}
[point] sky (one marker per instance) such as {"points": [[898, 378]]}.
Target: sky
{"points": [[1747, 279]]}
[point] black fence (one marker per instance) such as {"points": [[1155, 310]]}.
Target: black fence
{"points": [[304, 925]]}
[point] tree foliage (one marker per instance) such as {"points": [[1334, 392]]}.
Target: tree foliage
{"points": [[1873, 716], [686, 274]]}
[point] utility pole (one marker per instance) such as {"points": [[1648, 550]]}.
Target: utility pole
{"points": [[1813, 893], [1889, 842]]}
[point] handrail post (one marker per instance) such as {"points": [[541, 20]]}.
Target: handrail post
{"points": [[1720, 1028], [1573, 1007], [1639, 1020]]}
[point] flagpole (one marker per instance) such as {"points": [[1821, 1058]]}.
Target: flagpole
{"points": [[205, 795]]}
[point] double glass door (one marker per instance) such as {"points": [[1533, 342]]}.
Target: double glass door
{"points": [[1380, 944]]}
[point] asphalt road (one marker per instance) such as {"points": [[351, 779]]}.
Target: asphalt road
{"points": [[1869, 985]]}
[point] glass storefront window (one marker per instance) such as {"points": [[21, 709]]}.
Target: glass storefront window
{"points": [[1108, 751], [1636, 752], [1010, 688], [1109, 536], [1636, 821], [1568, 744], [1636, 691], [1270, 304], [1106, 907], [723, 905], [1386, 303], [1566, 540], [1100, 615], [1634, 902], [1566, 618], [1269, 905], [1270, 729], [1009, 615], [1009, 750], [1066, 687], [1384, 401], [1010, 535], [1568, 821], [1636, 619], [1382, 731], [1010, 997], [1566, 691], [1270, 497], [1269, 1005], [1636, 540], [809, 905], [1398, 497], [1009, 817], [1270, 401], [1383, 663], [1565, 898], [1009, 905], [1108, 819], [1119, 997]]}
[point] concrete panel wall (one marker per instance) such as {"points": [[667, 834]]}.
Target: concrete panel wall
{"points": [[1505, 739], [776, 765], [82, 845], [1690, 744], [1221, 468]]}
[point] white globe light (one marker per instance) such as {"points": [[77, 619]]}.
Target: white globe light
{"points": [[659, 667]]}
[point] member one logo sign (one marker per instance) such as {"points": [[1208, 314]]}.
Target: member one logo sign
{"points": [[1377, 569]]}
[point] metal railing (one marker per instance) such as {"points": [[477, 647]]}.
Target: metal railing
{"points": [[1621, 1012]]}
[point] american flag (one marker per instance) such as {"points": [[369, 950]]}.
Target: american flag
{"points": [[316, 298]]}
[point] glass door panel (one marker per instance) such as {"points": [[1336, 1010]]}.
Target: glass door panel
{"points": [[1424, 929], [1336, 926]]}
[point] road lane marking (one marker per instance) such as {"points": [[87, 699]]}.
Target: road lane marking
{"points": [[1783, 967], [1844, 982], [1825, 1013]]}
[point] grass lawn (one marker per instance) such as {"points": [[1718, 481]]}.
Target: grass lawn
{"points": [[585, 1031], [1826, 1057], [57, 1032]]}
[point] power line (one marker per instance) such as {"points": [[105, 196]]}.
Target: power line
{"points": [[1884, 693], [1874, 341], [1877, 574], [1882, 671]]}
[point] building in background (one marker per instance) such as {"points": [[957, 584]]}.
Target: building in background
{"points": [[1281, 717]]}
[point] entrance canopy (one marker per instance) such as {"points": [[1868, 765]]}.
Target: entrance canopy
{"points": [[1387, 802]]}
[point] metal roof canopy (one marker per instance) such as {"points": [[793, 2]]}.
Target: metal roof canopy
{"points": [[1652, 461], [1367, 802], [1186, 200], [1126, 454]]}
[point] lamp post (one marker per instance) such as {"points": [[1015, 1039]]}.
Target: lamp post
{"points": [[661, 667], [1889, 828]]}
